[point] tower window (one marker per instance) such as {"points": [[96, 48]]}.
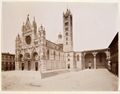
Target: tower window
{"points": [[68, 59], [66, 33], [66, 23], [66, 29], [66, 38], [66, 17]]}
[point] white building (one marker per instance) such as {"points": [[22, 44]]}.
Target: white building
{"points": [[35, 52]]}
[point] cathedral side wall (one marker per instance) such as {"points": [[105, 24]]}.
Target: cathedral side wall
{"points": [[55, 59]]}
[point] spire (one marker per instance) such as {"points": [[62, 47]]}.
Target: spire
{"points": [[67, 9], [34, 24], [41, 27], [28, 25], [18, 37], [34, 20], [67, 13], [23, 27], [28, 20], [28, 17]]}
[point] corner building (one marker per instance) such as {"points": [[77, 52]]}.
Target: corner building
{"points": [[35, 52]]}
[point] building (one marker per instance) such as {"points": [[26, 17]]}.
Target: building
{"points": [[35, 52], [8, 61], [114, 55], [96, 58]]}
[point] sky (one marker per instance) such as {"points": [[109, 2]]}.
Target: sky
{"points": [[94, 24]]}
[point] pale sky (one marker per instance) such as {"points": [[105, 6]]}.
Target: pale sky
{"points": [[94, 24]]}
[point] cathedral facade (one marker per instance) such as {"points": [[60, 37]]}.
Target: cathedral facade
{"points": [[35, 52]]}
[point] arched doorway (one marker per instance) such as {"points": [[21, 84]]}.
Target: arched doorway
{"points": [[27, 59], [29, 65], [68, 66], [35, 60], [20, 59], [22, 66], [36, 66], [89, 60], [101, 60]]}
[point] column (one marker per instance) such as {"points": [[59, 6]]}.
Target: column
{"points": [[94, 54], [80, 61], [107, 55], [83, 60], [108, 59]]}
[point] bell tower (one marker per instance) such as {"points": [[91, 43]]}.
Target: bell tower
{"points": [[67, 31]]}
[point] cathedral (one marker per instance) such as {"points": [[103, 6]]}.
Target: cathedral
{"points": [[35, 52]]}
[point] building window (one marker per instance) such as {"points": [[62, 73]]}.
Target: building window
{"points": [[6, 56], [6, 66], [14, 65]]}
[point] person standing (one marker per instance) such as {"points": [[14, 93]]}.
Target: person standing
{"points": [[89, 65]]}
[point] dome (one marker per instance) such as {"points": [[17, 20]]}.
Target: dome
{"points": [[60, 36]]}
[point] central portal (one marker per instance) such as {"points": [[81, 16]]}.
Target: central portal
{"points": [[36, 66]]}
